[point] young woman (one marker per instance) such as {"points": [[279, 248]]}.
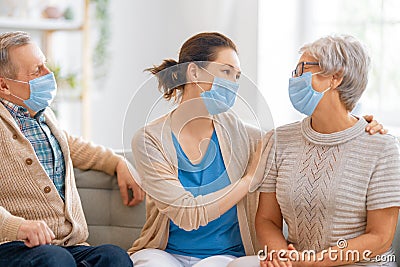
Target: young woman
{"points": [[193, 163]]}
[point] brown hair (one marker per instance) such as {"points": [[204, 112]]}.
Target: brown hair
{"points": [[7, 41], [204, 47]]}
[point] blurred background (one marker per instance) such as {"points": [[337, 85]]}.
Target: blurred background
{"points": [[99, 49]]}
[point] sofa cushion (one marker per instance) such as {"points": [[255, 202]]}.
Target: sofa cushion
{"points": [[109, 221]]}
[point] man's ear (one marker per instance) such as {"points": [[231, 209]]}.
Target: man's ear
{"points": [[4, 88], [192, 73]]}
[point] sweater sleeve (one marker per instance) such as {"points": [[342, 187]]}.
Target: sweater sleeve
{"points": [[160, 182], [384, 186], [9, 225], [271, 173], [264, 163], [86, 155]]}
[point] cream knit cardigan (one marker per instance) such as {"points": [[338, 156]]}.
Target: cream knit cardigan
{"points": [[166, 199], [27, 192]]}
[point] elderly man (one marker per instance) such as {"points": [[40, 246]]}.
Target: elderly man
{"points": [[41, 217]]}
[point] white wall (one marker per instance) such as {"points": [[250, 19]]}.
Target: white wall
{"points": [[280, 37], [146, 32]]}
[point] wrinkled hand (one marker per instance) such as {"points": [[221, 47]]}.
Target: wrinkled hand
{"points": [[373, 126], [298, 262], [274, 261], [127, 182], [294, 263], [35, 233]]}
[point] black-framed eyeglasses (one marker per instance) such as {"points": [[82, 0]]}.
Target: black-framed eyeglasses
{"points": [[298, 71]]}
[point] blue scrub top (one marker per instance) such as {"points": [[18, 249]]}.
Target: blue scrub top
{"points": [[218, 237]]}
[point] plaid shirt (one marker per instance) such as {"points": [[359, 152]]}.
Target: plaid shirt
{"points": [[44, 143]]}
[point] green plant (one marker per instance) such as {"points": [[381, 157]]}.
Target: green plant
{"points": [[66, 81], [69, 13], [101, 52]]}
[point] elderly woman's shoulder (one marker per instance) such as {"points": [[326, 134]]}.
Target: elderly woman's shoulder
{"points": [[288, 134], [390, 139], [382, 140], [289, 128]]}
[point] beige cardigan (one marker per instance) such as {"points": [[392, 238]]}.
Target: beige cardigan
{"points": [[27, 192], [156, 162]]}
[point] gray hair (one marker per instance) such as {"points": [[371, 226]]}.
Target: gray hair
{"points": [[345, 56], [9, 40]]}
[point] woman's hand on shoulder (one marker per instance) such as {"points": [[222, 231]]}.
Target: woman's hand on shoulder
{"points": [[373, 126]]}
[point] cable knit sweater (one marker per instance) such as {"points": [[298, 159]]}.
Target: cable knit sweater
{"points": [[27, 192], [326, 183]]}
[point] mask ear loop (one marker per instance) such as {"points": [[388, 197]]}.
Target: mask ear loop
{"points": [[196, 83], [201, 88], [316, 73], [208, 73], [327, 89], [17, 82]]}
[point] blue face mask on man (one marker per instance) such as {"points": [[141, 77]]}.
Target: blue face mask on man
{"points": [[302, 95], [42, 92], [221, 97]]}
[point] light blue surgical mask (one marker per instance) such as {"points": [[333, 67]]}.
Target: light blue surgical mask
{"points": [[302, 95], [42, 92], [221, 97]]}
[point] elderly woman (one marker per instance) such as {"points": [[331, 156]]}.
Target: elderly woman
{"points": [[337, 188]]}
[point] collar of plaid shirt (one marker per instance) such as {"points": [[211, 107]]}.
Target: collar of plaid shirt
{"points": [[19, 111]]}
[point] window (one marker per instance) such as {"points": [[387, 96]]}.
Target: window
{"points": [[375, 22]]}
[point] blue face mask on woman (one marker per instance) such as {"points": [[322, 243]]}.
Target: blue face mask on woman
{"points": [[303, 97], [221, 97], [42, 92]]}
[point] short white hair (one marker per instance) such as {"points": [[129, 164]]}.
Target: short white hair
{"points": [[346, 56], [9, 40]]}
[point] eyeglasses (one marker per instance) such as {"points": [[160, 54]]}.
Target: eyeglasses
{"points": [[298, 71]]}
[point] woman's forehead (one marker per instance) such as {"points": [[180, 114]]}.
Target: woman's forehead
{"points": [[228, 57]]}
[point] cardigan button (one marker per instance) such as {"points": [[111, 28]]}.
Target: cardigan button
{"points": [[47, 189], [28, 161], [15, 136]]}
